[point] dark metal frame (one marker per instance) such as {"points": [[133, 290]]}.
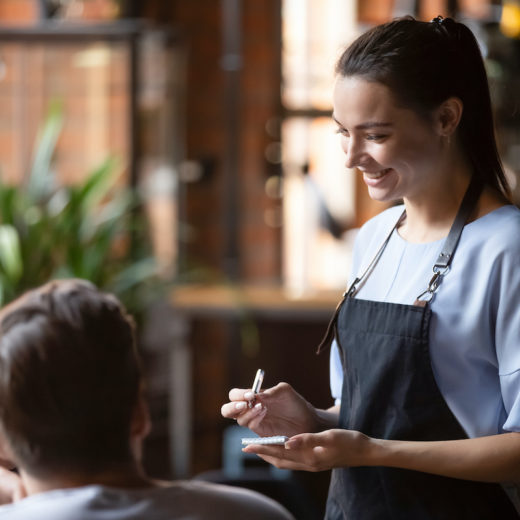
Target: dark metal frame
{"points": [[119, 31]]}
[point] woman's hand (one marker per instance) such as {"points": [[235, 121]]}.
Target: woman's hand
{"points": [[317, 451], [279, 410]]}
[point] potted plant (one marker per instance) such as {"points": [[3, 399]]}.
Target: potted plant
{"points": [[83, 230]]}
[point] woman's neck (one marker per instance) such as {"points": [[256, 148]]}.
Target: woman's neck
{"points": [[431, 211], [428, 222]]}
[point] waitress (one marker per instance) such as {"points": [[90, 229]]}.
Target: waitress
{"points": [[425, 358]]}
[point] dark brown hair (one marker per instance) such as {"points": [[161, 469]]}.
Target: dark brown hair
{"points": [[69, 378], [425, 63]]}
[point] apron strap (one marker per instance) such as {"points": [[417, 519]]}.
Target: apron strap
{"points": [[442, 264], [351, 291], [440, 267]]}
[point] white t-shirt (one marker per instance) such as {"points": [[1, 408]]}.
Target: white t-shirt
{"points": [[184, 500], [475, 326]]}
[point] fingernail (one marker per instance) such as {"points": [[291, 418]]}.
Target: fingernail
{"points": [[240, 405], [249, 395], [258, 407]]}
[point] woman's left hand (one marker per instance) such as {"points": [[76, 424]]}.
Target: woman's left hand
{"points": [[316, 451]]}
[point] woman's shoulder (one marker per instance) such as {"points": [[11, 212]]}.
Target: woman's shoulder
{"points": [[499, 228]]}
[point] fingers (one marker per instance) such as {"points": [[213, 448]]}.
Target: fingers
{"points": [[280, 457], [303, 441], [253, 420], [244, 415], [301, 452], [242, 400], [286, 464], [238, 394]]}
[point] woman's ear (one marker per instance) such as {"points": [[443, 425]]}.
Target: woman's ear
{"points": [[448, 116]]}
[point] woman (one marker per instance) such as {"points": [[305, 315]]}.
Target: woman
{"points": [[425, 366]]}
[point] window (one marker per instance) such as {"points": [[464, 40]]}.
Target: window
{"points": [[318, 191]]}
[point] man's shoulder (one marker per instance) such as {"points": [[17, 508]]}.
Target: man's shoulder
{"points": [[174, 501], [219, 501], [57, 504]]}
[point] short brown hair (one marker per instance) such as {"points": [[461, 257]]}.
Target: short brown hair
{"points": [[69, 378]]}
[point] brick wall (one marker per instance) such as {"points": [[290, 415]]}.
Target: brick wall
{"points": [[200, 24]]}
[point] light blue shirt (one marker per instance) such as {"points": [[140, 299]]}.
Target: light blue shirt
{"points": [[475, 326]]}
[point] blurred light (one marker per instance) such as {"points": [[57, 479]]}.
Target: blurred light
{"points": [[272, 127], [273, 153], [510, 19], [98, 56], [190, 171], [274, 187]]}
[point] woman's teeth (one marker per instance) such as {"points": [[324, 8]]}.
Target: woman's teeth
{"points": [[377, 175]]}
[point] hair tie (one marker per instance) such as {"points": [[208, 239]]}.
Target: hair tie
{"points": [[438, 20]]}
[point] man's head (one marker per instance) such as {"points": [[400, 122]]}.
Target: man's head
{"points": [[69, 379]]}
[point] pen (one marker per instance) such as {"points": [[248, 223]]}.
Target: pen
{"points": [[257, 384]]}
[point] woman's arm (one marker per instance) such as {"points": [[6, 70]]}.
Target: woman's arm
{"points": [[491, 459], [327, 419]]}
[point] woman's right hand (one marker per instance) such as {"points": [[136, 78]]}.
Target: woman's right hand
{"points": [[279, 410]]}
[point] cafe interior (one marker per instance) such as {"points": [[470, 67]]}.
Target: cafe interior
{"points": [[225, 216]]}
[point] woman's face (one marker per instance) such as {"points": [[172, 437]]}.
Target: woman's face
{"points": [[397, 150]]}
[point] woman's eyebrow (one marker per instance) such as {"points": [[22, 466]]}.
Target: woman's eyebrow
{"points": [[368, 125]]}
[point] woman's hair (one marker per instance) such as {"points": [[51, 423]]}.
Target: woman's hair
{"points": [[425, 63], [69, 379]]}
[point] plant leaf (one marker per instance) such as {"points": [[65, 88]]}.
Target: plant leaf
{"points": [[98, 184], [10, 253], [41, 171]]}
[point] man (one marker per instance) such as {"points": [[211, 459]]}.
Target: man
{"points": [[73, 418]]}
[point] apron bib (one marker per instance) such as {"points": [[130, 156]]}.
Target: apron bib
{"points": [[389, 392]]}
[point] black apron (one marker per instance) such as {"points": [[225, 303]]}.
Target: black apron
{"points": [[389, 392]]}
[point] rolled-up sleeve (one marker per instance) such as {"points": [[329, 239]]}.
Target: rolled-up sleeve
{"points": [[507, 337], [336, 373]]}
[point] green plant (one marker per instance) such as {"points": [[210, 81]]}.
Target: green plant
{"points": [[83, 230]]}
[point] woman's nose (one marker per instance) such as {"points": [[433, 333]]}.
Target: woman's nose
{"points": [[353, 152]]}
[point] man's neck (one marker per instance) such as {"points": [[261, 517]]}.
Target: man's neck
{"points": [[130, 476]]}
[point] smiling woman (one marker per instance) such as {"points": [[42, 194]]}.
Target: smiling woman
{"points": [[399, 153], [425, 369]]}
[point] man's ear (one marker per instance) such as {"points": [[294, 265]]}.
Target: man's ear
{"points": [[6, 453], [448, 116], [141, 423]]}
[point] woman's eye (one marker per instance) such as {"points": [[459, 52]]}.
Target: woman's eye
{"points": [[374, 137], [342, 131]]}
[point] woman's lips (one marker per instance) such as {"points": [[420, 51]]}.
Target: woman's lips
{"points": [[372, 179]]}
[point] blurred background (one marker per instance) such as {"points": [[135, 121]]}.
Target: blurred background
{"points": [[181, 154]]}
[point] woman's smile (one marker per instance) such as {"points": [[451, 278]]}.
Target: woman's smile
{"points": [[373, 178]]}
